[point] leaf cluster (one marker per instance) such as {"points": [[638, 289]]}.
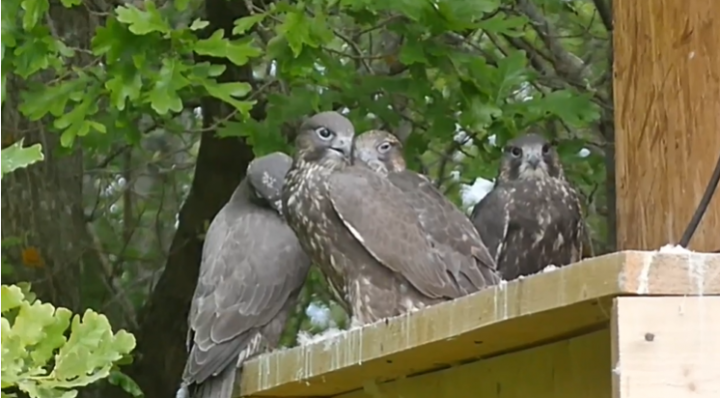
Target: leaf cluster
{"points": [[44, 359]]}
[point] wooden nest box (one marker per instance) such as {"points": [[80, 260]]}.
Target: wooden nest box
{"points": [[628, 324], [633, 324]]}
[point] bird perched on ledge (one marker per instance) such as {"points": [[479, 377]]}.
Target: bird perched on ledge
{"points": [[532, 218], [357, 228], [252, 270], [443, 222]]}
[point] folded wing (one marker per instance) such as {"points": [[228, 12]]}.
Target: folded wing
{"points": [[374, 211]]}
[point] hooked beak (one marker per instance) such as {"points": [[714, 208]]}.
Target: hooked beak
{"points": [[343, 146], [533, 159]]}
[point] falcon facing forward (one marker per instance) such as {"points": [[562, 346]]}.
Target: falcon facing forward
{"points": [[532, 217], [251, 273], [356, 227], [444, 223]]}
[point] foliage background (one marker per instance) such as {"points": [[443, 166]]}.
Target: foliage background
{"points": [[149, 112]]}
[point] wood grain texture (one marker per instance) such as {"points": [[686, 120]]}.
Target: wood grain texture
{"points": [[574, 368], [535, 310], [666, 347], [667, 120]]}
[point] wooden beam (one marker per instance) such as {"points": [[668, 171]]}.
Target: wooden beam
{"points": [[573, 368], [667, 120], [666, 347], [519, 314]]}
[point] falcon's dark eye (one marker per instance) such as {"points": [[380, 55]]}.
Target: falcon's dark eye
{"points": [[545, 149], [324, 133], [516, 152], [384, 147]]}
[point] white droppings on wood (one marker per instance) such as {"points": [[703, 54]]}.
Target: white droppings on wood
{"points": [[643, 278], [501, 288], [697, 266], [550, 268], [677, 249]]}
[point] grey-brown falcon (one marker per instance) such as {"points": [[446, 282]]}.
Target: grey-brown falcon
{"points": [[252, 270], [532, 217], [356, 227], [443, 222]]}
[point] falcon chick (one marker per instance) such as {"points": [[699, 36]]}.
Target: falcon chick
{"points": [[443, 222], [356, 227], [532, 218], [251, 273]]}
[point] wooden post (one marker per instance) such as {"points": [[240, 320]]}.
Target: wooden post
{"points": [[667, 120], [666, 347]]}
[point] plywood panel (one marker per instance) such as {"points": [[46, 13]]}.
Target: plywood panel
{"points": [[573, 368], [667, 120], [522, 313], [666, 347]]}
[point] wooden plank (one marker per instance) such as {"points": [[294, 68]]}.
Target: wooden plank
{"points": [[666, 347], [541, 308], [667, 119], [572, 368]]}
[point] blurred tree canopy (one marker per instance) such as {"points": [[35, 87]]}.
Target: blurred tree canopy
{"points": [[148, 113]]}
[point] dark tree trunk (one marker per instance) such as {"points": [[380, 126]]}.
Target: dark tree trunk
{"points": [[42, 205], [161, 351]]}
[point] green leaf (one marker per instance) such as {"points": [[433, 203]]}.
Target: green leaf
{"points": [[198, 24], [502, 24], [33, 334], [15, 157], [412, 52], [238, 52], [37, 103], [214, 46], [35, 10], [125, 382], [244, 24], [143, 22], [296, 30], [76, 122], [511, 72], [576, 110], [124, 85], [164, 95], [228, 92], [181, 5], [12, 296]]}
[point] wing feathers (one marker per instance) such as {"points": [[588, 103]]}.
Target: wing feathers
{"points": [[448, 226], [372, 209], [253, 267], [491, 219]]}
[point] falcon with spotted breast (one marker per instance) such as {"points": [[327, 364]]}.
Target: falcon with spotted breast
{"points": [[532, 217], [444, 223], [357, 227], [252, 270]]}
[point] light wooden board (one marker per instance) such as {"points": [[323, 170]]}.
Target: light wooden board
{"points": [[667, 120], [574, 368], [541, 308], [666, 347]]}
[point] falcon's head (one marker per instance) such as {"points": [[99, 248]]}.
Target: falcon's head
{"points": [[529, 156], [325, 138], [380, 150], [266, 176]]}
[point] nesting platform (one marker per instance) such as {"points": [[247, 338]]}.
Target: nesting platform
{"points": [[628, 324]]}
